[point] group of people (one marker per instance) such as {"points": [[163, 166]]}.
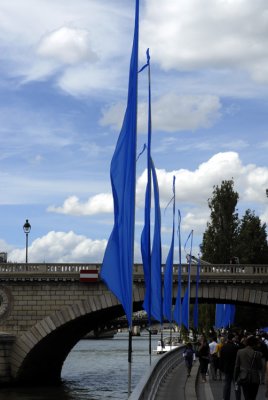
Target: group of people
{"points": [[242, 360]]}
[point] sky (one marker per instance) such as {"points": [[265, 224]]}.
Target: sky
{"points": [[63, 86]]}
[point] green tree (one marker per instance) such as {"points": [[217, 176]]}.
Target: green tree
{"points": [[252, 245], [220, 237]]}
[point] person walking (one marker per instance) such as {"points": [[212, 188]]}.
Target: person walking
{"points": [[218, 352], [227, 364], [248, 362], [189, 357], [213, 358], [203, 355]]}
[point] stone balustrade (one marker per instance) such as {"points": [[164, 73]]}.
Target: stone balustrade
{"points": [[75, 268]]}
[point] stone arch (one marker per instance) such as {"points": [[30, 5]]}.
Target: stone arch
{"points": [[38, 355], [224, 293]]}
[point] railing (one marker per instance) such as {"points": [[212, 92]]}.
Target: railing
{"points": [[216, 272], [50, 268], [148, 386]]}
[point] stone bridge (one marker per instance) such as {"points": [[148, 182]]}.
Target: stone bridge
{"points": [[45, 309]]}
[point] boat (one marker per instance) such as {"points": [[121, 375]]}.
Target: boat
{"points": [[166, 344], [100, 335]]}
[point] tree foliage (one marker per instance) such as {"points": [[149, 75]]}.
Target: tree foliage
{"points": [[227, 236], [252, 245], [220, 237]]}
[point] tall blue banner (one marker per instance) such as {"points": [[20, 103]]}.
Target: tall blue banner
{"points": [[156, 257], [118, 259], [146, 232], [177, 308], [168, 278]]}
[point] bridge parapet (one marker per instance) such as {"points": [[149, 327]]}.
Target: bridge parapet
{"points": [[71, 271]]}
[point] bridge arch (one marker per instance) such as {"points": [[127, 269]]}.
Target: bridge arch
{"points": [[228, 292], [38, 354]]}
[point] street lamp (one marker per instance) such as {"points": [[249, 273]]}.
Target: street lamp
{"points": [[27, 229]]}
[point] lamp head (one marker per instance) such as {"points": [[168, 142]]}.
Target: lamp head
{"points": [[27, 227]]}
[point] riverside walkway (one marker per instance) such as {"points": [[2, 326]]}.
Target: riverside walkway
{"points": [[178, 386]]}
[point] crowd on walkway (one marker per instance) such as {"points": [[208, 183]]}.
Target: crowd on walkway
{"points": [[240, 360]]}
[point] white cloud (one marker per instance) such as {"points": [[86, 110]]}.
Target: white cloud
{"points": [[65, 247], [192, 188], [101, 203], [67, 45], [61, 247], [256, 183], [5, 247], [172, 113], [83, 79], [187, 35], [182, 36], [196, 218], [264, 216]]}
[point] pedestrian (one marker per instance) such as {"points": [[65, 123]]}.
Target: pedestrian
{"points": [[217, 361], [248, 366], [189, 357], [203, 355], [227, 364], [263, 349], [213, 358]]}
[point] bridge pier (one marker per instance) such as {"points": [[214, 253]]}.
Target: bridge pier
{"points": [[6, 343]]}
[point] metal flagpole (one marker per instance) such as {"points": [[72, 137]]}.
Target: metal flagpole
{"points": [[149, 183], [189, 279], [136, 42]]}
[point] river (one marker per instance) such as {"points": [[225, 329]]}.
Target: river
{"points": [[94, 370]]}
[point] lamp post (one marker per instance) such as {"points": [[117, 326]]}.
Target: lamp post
{"points": [[27, 229]]}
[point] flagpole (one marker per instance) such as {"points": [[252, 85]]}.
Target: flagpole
{"points": [[136, 41], [149, 183], [189, 280]]}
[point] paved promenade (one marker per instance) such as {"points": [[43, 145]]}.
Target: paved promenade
{"points": [[178, 387], [212, 390]]}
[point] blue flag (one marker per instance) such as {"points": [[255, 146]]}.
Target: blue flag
{"points": [[227, 315], [177, 308], [168, 278], [196, 294], [156, 257], [185, 309], [187, 295], [146, 252], [146, 232], [117, 264], [219, 315], [232, 313]]}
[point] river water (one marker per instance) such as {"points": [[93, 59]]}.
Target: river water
{"points": [[94, 370]]}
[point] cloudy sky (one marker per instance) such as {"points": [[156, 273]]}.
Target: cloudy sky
{"points": [[63, 86]]}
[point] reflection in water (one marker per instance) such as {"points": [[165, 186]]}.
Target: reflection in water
{"points": [[94, 370]]}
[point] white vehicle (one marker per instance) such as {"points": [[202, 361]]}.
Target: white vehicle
{"points": [[167, 344]]}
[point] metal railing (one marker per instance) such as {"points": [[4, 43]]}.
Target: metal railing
{"points": [[149, 384], [213, 272]]}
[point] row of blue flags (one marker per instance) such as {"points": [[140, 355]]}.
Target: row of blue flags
{"points": [[117, 267], [118, 258], [224, 316]]}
